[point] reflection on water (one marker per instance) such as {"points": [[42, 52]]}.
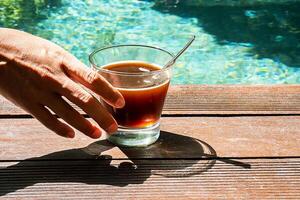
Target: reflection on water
{"points": [[24, 14], [235, 44], [272, 30]]}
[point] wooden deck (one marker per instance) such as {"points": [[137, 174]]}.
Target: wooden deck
{"points": [[217, 142]]}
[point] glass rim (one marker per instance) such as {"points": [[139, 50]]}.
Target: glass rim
{"points": [[95, 66]]}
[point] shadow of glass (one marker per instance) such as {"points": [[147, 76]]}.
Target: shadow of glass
{"points": [[173, 155], [272, 30]]}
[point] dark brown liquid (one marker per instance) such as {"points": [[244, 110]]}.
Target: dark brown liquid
{"points": [[143, 106]]}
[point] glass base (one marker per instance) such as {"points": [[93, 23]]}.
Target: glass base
{"points": [[130, 137]]}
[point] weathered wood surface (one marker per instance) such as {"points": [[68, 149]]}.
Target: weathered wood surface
{"points": [[200, 154], [105, 179], [263, 136], [234, 99], [218, 99], [216, 166]]}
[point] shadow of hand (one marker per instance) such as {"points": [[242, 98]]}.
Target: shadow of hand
{"points": [[172, 155]]}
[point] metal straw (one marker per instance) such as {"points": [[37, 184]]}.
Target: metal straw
{"points": [[172, 61]]}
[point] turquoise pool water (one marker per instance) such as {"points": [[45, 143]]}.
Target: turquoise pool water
{"points": [[234, 45]]}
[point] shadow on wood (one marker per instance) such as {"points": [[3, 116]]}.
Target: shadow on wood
{"points": [[175, 155], [172, 155]]}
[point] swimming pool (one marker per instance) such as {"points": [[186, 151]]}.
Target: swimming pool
{"points": [[257, 44]]}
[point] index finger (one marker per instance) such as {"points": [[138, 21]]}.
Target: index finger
{"points": [[91, 79]]}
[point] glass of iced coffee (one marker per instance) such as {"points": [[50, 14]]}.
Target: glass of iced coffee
{"points": [[137, 72]]}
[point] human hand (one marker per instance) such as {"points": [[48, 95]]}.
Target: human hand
{"points": [[36, 74]]}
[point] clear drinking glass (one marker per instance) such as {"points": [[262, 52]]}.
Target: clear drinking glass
{"points": [[144, 90]]}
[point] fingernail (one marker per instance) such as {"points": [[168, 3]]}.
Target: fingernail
{"points": [[96, 134], [71, 134], [112, 129], [120, 103]]}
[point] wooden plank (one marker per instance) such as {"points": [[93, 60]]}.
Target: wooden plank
{"points": [[234, 99], [218, 99], [182, 137], [193, 179]]}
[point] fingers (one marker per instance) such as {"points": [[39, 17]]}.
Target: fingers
{"points": [[92, 80], [71, 116], [51, 122], [89, 104]]}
